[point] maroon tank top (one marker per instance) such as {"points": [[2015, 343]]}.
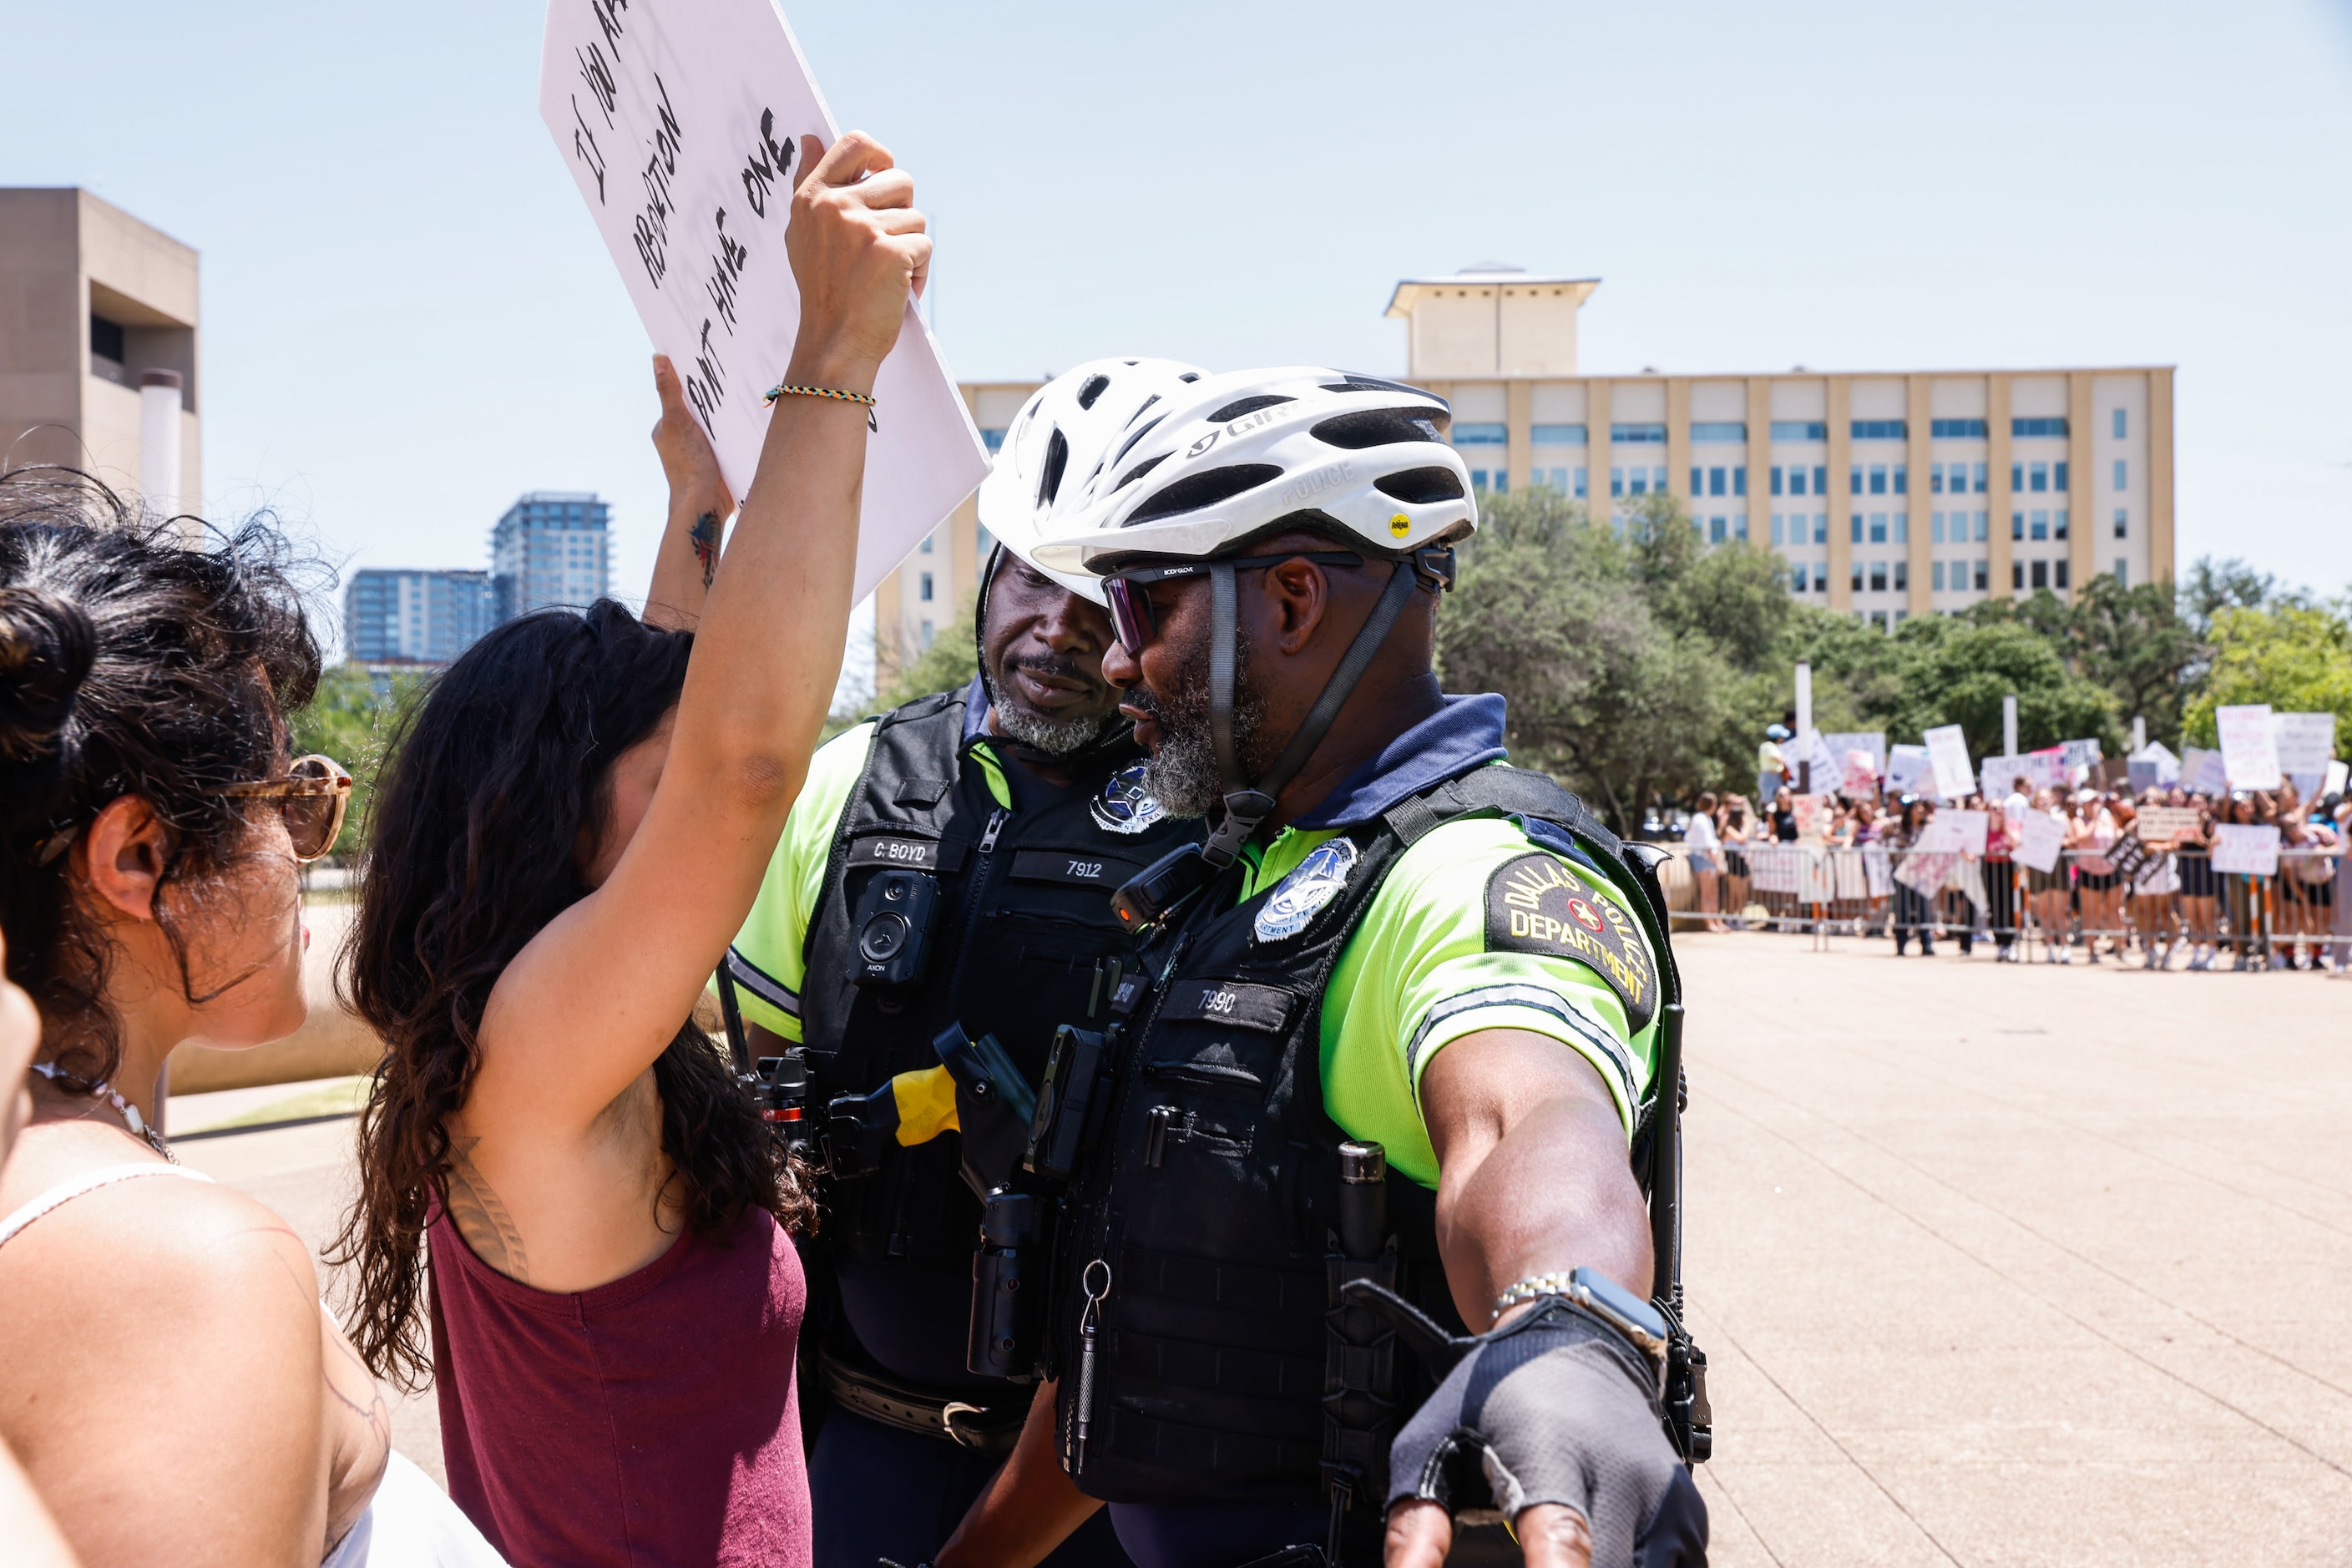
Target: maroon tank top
{"points": [[651, 1422]]}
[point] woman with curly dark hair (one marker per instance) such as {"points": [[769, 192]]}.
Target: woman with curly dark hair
{"points": [[166, 1370], [570, 833]]}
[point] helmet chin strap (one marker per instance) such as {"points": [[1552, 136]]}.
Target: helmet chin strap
{"points": [[1248, 804]]}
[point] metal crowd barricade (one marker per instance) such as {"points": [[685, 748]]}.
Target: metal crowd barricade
{"points": [[2175, 897]]}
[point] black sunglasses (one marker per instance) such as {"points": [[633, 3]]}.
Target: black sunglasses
{"points": [[1134, 622]]}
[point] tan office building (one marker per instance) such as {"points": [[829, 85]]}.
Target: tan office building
{"points": [[1889, 494], [92, 304]]}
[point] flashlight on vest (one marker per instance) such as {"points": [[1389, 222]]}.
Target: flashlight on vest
{"points": [[1003, 1337], [1364, 1200], [784, 1084]]}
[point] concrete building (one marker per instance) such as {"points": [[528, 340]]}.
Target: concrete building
{"points": [[92, 304], [1891, 493], [395, 616], [551, 548]]}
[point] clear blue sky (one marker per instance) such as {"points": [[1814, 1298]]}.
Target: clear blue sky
{"points": [[408, 319]]}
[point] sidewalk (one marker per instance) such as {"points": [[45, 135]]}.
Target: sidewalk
{"points": [[1992, 1265]]}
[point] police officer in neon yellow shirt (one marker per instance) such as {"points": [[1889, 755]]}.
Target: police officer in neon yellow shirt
{"points": [[1388, 938], [946, 868]]}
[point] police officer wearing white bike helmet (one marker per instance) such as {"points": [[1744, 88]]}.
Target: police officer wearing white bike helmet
{"points": [[1354, 1235], [936, 907]]}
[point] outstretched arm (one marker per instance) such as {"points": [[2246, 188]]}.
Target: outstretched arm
{"points": [[1533, 1179], [687, 559], [594, 998]]}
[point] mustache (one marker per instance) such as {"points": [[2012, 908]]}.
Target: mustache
{"points": [[1059, 666]]}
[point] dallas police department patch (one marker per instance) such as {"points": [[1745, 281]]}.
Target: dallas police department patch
{"points": [[1314, 883], [1125, 806], [1534, 904]]}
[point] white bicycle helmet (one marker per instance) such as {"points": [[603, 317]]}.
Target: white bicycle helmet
{"points": [[1195, 476], [1061, 438]]}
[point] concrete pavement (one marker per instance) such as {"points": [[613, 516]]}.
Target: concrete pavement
{"points": [[1993, 1265]]}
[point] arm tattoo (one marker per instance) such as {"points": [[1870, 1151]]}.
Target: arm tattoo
{"points": [[704, 537], [482, 1219]]}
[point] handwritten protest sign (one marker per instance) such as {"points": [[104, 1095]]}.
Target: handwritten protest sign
{"points": [[1973, 826], [2164, 824], [1813, 812], [2250, 851], [2127, 856], [2305, 742], [2079, 754], [2249, 749], [1809, 748], [680, 125], [1872, 742], [1947, 754], [1861, 776], [1924, 870], [2042, 837]]}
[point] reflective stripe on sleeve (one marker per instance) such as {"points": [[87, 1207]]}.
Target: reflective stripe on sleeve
{"points": [[763, 984], [1605, 1047]]}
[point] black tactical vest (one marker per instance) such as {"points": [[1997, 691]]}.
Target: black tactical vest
{"points": [[1021, 942], [1212, 1197]]}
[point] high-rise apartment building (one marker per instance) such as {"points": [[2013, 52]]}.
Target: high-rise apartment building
{"points": [[393, 616], [1888, 494], [551, 548], [98, 347]]}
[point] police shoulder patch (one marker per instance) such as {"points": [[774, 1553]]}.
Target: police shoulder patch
{"points": [[1534, 904]]}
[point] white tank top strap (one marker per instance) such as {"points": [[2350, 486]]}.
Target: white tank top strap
{"points": [[65, 1191]]}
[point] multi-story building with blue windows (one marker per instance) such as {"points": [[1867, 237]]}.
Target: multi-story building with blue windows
{"points": [[394, 616], [551, 548]]}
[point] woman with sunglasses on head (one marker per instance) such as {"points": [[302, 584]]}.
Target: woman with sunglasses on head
{"points": [[570, 1213], [166, 1369]]}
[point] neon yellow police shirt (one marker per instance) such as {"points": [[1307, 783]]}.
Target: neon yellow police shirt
{"points": [[1418, 974], [771, 950]]}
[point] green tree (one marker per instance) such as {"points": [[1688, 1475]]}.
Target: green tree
{"points": [[2136, 643], [354, 717], [948, 665], [1586, 638], [1956, 672], [2213, 585], [2295, 656]]}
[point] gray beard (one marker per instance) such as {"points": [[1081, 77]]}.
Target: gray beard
{"points": [[1055, 737], [1181, 775]]}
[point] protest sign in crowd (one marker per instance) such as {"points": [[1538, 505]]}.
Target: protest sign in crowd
{"points": [[2240, 851]]}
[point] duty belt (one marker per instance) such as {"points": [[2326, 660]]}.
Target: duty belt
{"points": [[991, 1429]]}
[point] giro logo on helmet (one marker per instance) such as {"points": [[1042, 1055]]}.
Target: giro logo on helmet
{"points": [[1202, 445]]}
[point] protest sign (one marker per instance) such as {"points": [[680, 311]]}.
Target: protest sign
{"points": [[680, 125], [1997, 776], [2127, 856], [1812, 812], [2249, 749], [1908, 770], [1973, 826], [2250, 851], [1809, 749], [2337, 774], [1861, 778], [1873, 742], [2164, 824], [1947, 754], [2080, 754], [2201, 771], [1940, 836], [2042, 837], [2305, 742], [1924, 870]]}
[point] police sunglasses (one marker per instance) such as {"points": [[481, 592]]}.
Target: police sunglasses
{"points": [[312, 796], [1132, 618]]}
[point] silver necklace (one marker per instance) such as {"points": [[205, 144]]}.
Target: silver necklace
{"points": [[128, 1111]]}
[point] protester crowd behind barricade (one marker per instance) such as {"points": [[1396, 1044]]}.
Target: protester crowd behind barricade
{"points": [[2169, 902]]}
